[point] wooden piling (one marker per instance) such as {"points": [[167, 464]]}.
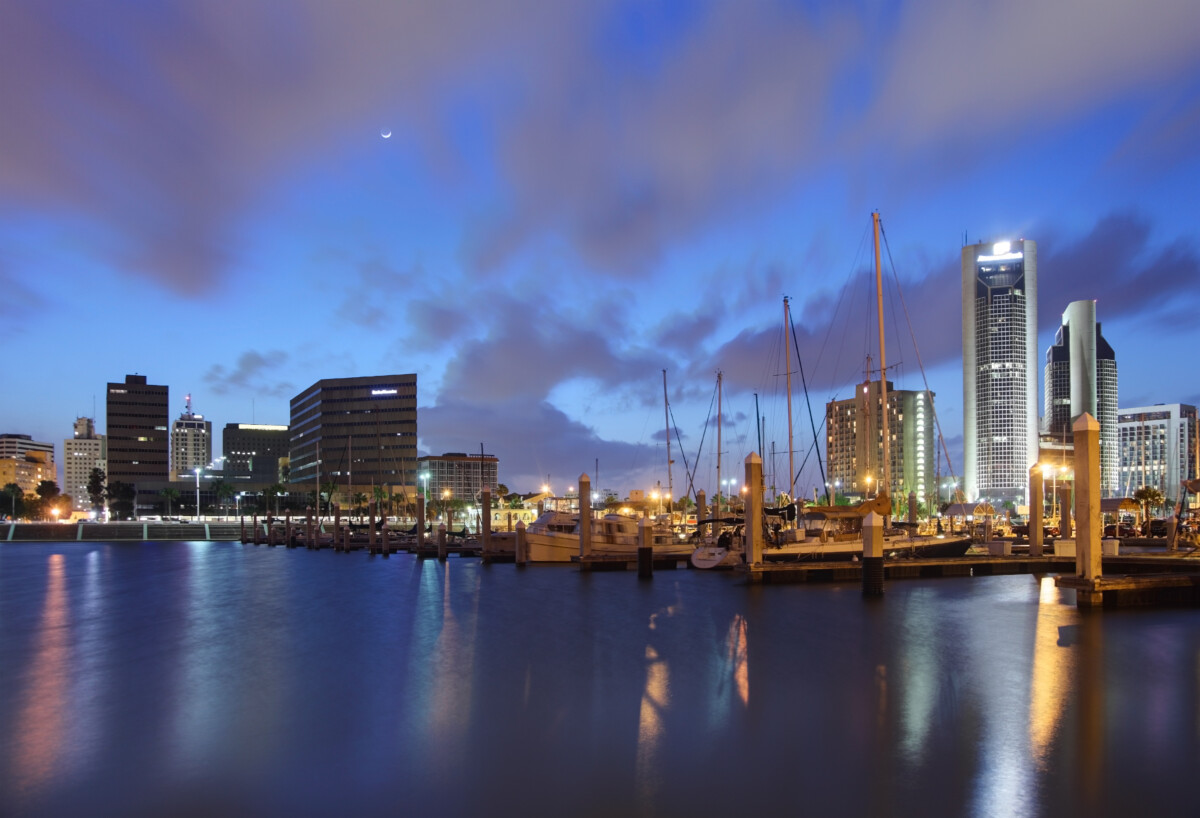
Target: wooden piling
{"points": [[872, 558], [485, 521], [1036, 488], [441, 541], [371, 527], [585, 516], [522, 547], [752, 550], [645, 552]]}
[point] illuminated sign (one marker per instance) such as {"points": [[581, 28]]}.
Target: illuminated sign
{"points": [[1002, 257], [383, 391], [262, 427]]}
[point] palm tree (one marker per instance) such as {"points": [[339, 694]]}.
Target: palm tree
{"points": [[16, 498], [1148, 496], [222, 490], [359, 500], [272, 492], [380, 494], [170, 495]]}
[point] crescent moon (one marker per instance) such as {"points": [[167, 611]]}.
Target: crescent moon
{"points": [[386, 134]]}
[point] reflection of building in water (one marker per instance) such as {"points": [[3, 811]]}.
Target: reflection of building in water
{"points": [[41, 722], [1051, 674]]}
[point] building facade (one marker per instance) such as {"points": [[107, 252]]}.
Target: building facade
{"points": [[81, 454], [355, 432], [1159, 447], [462, 475], [138, 432], [191, 443], [999, 332], [1081, 376], [854, 442], [26, 462], [253, 452]]}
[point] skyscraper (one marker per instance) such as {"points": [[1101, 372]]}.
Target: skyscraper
{"points": [[1081, 376], [1160, 447], [252, 451], [138, 440], [355, 432], [82, 453], [854, 442], [191, 443], [999, 331]]}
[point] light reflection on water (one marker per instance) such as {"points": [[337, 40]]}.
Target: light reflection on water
{"points": [[200, 678]]}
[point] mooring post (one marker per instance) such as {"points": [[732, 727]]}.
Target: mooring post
{"points": [[270, 530], [585, 515], [287, 528], [371, 508], [522, 555], [485, 519], [1065, 528], [753, 532], [243, 522], [254, 526], [309, 537], [701, 512], [645, 551], [441, 541], [1035, 511], [1086, 432], [387, 544], [872, 557], [420, 523]]}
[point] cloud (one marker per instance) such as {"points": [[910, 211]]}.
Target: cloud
{"points": [[251, 374], [1118, 264], [534, 441], [955, 71]]}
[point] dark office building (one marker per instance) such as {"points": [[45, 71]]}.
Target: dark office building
{"points": [[356, 432], [138, 430], [252, 451]]}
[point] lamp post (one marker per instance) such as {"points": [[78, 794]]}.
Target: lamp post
{"points": [[197, 471], [868, 487], [446, 507]]}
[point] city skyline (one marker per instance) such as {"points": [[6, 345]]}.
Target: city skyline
{"points": [[572, 199]]}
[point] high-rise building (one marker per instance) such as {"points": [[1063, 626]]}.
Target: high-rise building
{"points": [[137, 430], [26, 462], [1159, 447], [355, 432], [854, 442], [253, 451], [1081, 376], [458, 475], [999, 331], [81, 454], [18, 446], [191, 443]]}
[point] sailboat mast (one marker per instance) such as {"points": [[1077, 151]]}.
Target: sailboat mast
{"points": [[667, 418], [885, 481], [787, 365], [718, 441]]}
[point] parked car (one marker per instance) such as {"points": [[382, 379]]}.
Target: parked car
{"points": [[1154, 528], [1119, 530]]}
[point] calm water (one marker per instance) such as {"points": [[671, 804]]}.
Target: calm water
{"points": [[220, 679]]}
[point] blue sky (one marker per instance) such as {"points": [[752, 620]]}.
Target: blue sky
{"points": [[574, 197]]}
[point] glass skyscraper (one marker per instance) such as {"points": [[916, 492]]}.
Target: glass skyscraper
{"points": [[999, 330]]}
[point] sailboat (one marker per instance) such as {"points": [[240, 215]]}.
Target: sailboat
{"points": [[835, 532]]}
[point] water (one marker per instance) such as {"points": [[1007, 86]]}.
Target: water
{"points": [[218, 679]]}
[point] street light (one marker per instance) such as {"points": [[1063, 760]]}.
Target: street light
{"points": [[446, 506], [868, 487]]}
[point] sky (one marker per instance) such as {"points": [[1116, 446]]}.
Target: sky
{"points": [[575, 197]]}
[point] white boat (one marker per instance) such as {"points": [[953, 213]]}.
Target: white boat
{"points": [[554, 537], [835, 533]]}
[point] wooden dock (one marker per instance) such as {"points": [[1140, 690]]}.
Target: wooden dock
{"points": [[1181, 567], [610, 562]]}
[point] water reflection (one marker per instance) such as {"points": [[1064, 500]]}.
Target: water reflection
{"points": [[41, 719], [1051, 676]]}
